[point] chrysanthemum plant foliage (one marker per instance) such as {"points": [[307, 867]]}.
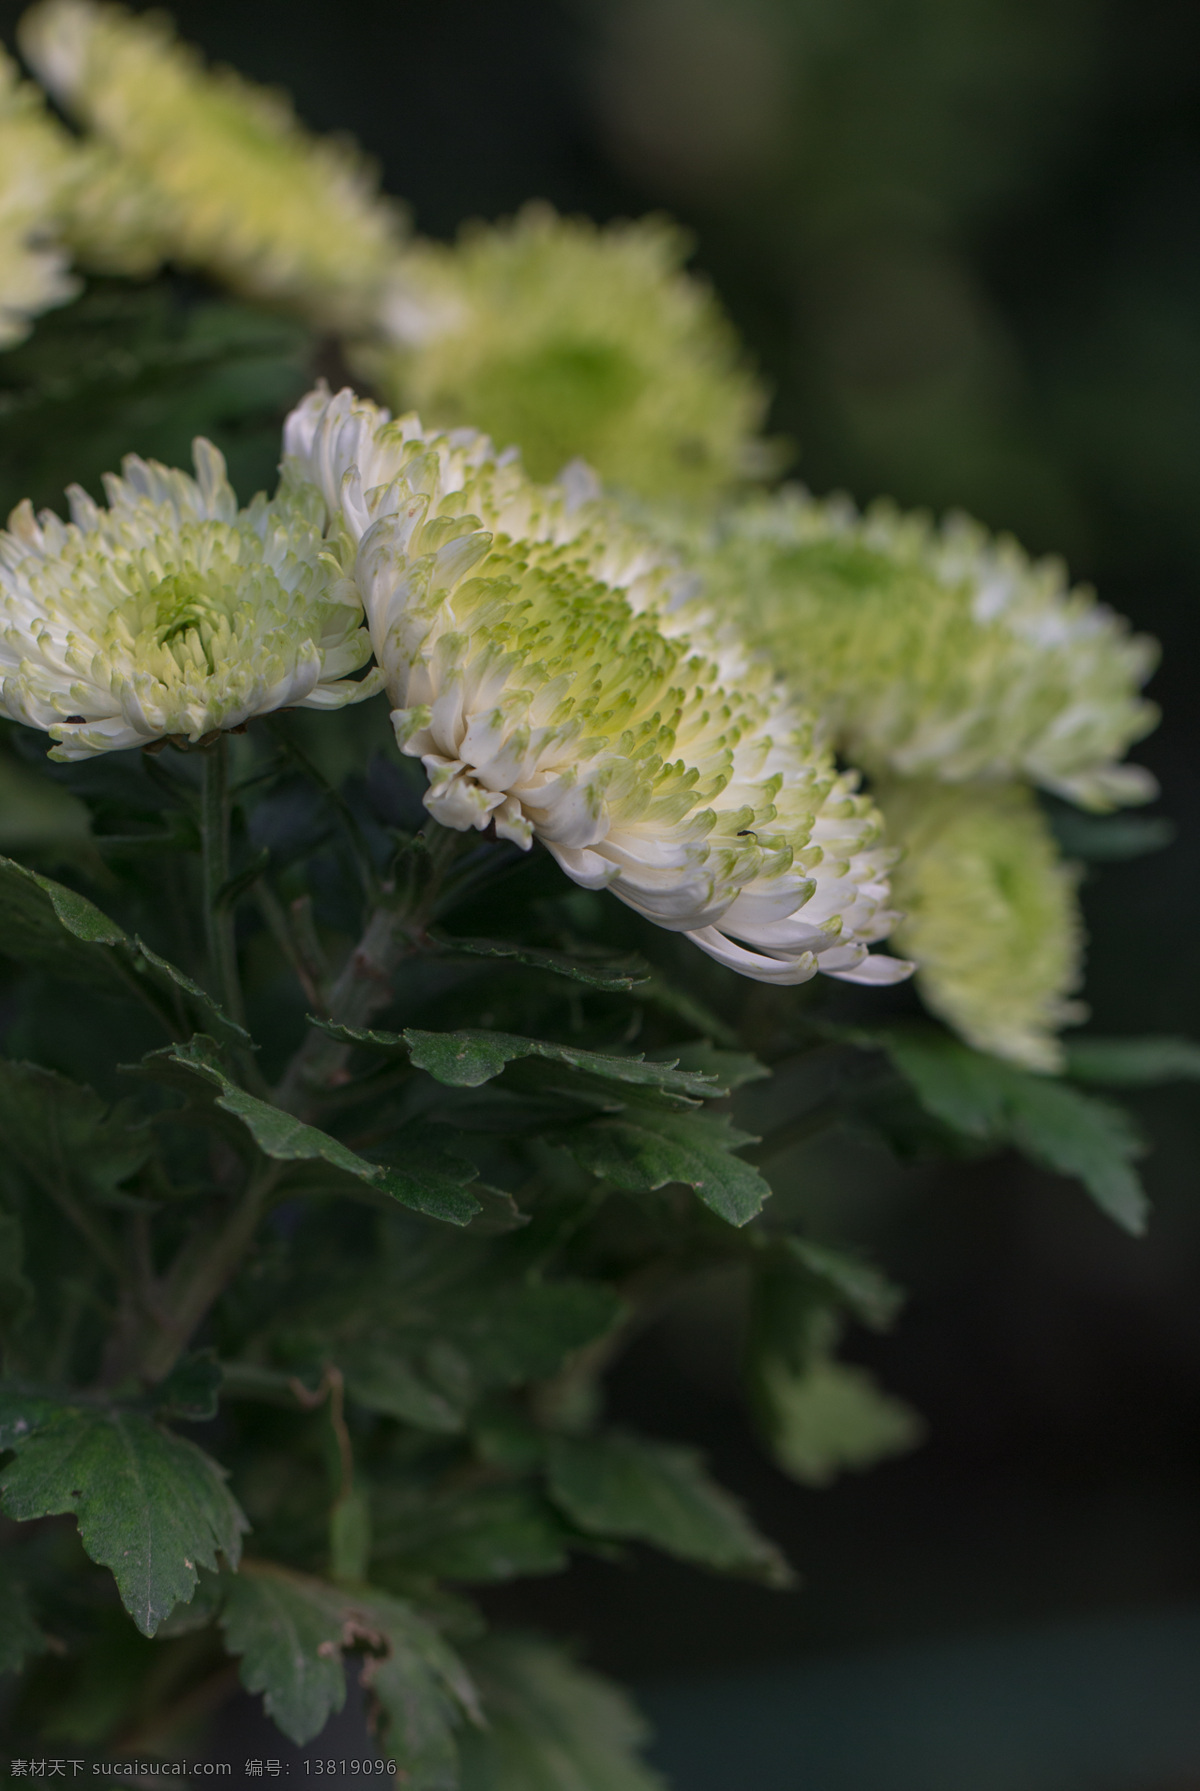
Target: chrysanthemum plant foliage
{"points": [[438, 909]]}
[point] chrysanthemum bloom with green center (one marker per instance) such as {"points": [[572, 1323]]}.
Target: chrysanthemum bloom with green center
{"points": [[244, 193], [171, 613], [941, 653], [569, 340], [990, 914], [551, 694], [34, 159]]}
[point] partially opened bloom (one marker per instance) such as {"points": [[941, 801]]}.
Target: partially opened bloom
{"points": [[238, 187], [570, 340], [937, 652], [990, 914], [171, 612], [35, 157], [551, 693]]}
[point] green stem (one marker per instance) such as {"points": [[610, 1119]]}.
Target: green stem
{"points": [[218, 916], [185, 1306], [395, 931]]}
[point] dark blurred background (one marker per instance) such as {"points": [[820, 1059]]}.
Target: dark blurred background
{"points": [[961, 240]]}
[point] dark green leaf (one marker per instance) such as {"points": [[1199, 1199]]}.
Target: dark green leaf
{"points": [[624, 1486], [477, 1533], [646, 1149], [599, 972], [421, 1688], [385, 1381], [149, 1505], [192, 1388], [728, 1069], [289, 1632], [831, 1417], [20, 1637], [469, 1058], [63, 1134], [430, 1369], [1133, 1063], [551, 1726], [1057, 1126], [514, 1334], [428, 1189], [59, 930], [849, 1280]]}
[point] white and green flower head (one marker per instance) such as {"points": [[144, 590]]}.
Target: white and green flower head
{"points": [[35, 156], [172, 613], [236, 186], [538, 672], [990, 914], [570, 340], [937, 652]]}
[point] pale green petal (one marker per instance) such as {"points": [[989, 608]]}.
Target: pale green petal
{"points": [[935, 652], [570, 340], [172, 613], [538, 669], [990, 915], [230, 181]]}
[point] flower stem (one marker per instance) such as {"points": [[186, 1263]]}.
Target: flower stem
{"points": [[218, 915]]}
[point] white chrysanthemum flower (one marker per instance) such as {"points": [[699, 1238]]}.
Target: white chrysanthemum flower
{"points": [[991, 914], [172, 613], [936, 652], [234, 183], [551, 693], [35, 156], [569, 339]]}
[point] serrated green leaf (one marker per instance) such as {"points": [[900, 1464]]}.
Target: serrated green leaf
{"points": [[853, 1283], [526, 1332], [288, 1630], [629, 1487], [600, 972], [423, 1692], [150, 1506], [20, 1637], [644, 1149], [471, 1057], [291, 1632], [551, 1726], [385, 1381], [428, 1189], [830, 1418], [1133, 1063], [1073, 1133], [727, 1069], [429, 1370], [482, 1533], [59, 930], [62, 1133]]}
